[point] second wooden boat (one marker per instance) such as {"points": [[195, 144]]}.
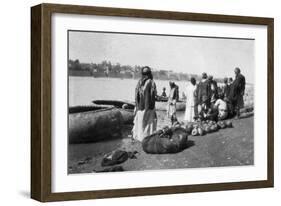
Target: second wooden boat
{"points": [[162, 105]]}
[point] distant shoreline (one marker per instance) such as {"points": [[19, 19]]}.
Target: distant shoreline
{"points": [[122, 78]]}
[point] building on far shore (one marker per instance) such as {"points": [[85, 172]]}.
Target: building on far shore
{"points": [[107, 69]]}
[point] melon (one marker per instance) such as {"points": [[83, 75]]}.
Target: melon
{"points": [[200, 131], [194, 132]]}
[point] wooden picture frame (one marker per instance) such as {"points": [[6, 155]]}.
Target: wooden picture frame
{"points": [[41, 172]]}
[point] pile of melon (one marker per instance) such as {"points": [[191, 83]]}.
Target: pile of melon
{"points": [[205, 127]]}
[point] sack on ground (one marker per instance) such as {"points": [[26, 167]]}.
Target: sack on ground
{"points": [[170, 140], [115, 157]]}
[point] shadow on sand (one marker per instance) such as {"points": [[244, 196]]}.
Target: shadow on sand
{"points": [[190, 143]]}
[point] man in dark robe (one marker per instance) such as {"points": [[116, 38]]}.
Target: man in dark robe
{"points": [[237, 90], [145, 120], [204, 91], [225, 89], [213, 90]]}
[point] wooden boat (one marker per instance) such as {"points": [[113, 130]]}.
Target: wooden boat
{"points": [[126, 108], [92, 123], [162, 103], [162, 106]]}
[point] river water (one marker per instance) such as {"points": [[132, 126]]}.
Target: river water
{"points": [[83, 90]]}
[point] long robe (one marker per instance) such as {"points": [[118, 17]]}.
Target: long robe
{"points": [[145, 121], [204, 91], [172, 101], [190, 103], [237, 89]]}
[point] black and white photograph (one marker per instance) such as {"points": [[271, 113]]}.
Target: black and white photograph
{"points": [[139, 101]]}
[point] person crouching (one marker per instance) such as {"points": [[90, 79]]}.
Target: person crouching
{"points": [[222, 109]]}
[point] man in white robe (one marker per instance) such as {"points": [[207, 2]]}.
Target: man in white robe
{"points": [[191, 101], [172, 102]]}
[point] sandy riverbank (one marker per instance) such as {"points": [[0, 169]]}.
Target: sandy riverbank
{"points": [[227, 147]]}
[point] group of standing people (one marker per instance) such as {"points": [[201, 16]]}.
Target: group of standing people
{"points": [[204, 100]]}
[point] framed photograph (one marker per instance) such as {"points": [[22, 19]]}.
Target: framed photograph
{"points": [[130, 102]]}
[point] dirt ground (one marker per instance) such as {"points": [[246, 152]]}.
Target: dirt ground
{"points": [[226, 147]]}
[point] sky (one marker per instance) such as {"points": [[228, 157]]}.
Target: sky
{"points": [[192, 55]]}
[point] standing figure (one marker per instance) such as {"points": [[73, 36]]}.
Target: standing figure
{"points": [[191, 111], [237, 90], [164, 92], [172, 101], [213, 90], [228, 101], [145, 121], [204, 93], [230, 81], [225, 89]]}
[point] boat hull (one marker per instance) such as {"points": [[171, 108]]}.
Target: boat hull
{"points": [[89, 124], [162, 106], [127, 113]]}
